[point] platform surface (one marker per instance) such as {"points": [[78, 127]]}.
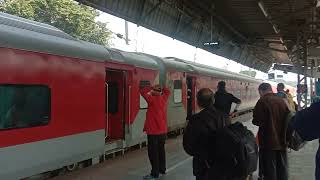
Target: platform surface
{"points": [[134, 165]]}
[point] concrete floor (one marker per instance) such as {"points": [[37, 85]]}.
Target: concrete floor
{"points": [[134, 165]]}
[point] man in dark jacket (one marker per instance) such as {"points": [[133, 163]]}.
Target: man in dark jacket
{"points": [[155, 127], [307, 124], [224, 100], [198, 133], [270, 115]]}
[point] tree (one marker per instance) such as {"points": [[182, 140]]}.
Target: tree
{"points": [[249, 73], [67, 15]]}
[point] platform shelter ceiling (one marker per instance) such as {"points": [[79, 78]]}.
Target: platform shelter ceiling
{"points": [[255, 33]]}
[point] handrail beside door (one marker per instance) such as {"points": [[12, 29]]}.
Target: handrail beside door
{"points": [[107, 109], [129, 109]]}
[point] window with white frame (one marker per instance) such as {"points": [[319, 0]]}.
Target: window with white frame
{"points": [[143, 102], [177, 91]]}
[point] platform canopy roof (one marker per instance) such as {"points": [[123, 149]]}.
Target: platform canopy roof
{"points": [[255, 33]]}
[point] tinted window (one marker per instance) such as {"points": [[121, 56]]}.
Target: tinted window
{"points": [[24, 106], [144, 84]]}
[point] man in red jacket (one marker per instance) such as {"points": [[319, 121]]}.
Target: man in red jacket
{"points": [[155, 127]]}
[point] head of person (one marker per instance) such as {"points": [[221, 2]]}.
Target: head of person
{"points": [[280, 87], [205, 98], [221, 86], [156, 90], [287, 91], [264, 88]]}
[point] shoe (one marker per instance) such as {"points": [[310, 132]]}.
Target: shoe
{"points": [[150, 177], [162, 174]]}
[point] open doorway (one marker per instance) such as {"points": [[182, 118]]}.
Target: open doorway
{"points": [[115, 104], [190, 95]]}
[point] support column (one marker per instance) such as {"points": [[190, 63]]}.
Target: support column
{"points": [[302, 94], [311, 80]]}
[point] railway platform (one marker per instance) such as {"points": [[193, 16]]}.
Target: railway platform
{"points": [[134, 165]]}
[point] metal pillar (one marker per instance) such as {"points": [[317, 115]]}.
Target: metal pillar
{"points": [[302, 95], [317, 81], [311, 80], [126, 32]]}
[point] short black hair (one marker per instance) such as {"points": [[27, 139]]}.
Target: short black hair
{"points": [[281, 85], [221, 85], [264, 87], [205, 98]]}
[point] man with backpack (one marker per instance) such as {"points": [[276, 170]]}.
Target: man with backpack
{"points": [[221, 150], [198, 132], [270, 115]]}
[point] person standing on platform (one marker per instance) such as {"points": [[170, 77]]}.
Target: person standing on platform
{"points": [[280, 91], [307, 124], [291, 104], [155, 127], [270, 115], [224, 100], [199, 130]]}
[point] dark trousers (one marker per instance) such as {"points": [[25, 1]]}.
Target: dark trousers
{"points": [[273, 164], [156, 153]]}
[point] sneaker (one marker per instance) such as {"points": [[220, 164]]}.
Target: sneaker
{"points": [[149, 177]]}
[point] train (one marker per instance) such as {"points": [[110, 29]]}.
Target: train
{"points": [[64, 101]]}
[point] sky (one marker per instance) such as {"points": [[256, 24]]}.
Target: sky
{"points": [[147, 41]]}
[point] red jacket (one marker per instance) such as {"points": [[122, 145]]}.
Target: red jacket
{"points": [[156, 118]]}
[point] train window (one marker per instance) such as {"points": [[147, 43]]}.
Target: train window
{"points": [[144, 83], [177, 91], [143, 102], [23, 106]]}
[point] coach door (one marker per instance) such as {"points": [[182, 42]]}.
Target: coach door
{"points": [[115, 104], [190, 95]]}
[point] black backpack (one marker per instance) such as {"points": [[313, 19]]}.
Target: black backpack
{"points": [[236, 151]]}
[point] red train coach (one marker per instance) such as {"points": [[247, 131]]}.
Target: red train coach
{"points": [[65, 101]]}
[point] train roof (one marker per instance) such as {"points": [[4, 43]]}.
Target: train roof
{"points": [[190, 67], [181, 66], [20, 33], [136, 59], [212, 71]]}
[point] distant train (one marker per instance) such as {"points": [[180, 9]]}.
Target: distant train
{"points": [[65, 101]]}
